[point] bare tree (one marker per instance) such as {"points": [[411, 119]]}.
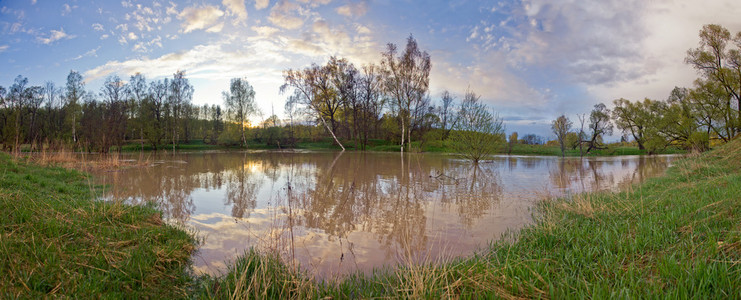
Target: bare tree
{"points": [[582, 135], [240, 104], [478, 131], [407, 79], [316, 93], [181, 93]]}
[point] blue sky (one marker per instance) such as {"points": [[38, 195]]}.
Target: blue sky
{"points": [[531, 60]]}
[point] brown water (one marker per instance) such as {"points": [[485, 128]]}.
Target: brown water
{"points": [[336, 213]]}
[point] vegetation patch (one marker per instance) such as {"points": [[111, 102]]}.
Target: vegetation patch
{"points": [[57, 241]]}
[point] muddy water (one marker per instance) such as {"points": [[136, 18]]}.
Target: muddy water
{"points": [[336, 213]]}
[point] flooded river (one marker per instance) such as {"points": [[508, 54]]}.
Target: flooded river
{"points": [[335, 213]]}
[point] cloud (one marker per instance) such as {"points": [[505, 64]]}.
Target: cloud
{"points": [[195, 18], [260, 4], [265, 31], [98, 27], [595, 42], [211, 61], [237, 8], [90, 53], [315, 3], [3, 48], [66, 9], [54, 35], [286, 14], [353, 9]]}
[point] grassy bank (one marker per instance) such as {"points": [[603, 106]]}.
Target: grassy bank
{"points": [[678, 236], [387, 146], [57, 241]]}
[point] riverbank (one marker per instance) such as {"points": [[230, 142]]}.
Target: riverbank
{"points": [[429, 147], [58, 242], [677, 236]]}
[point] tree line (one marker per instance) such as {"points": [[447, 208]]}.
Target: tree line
{"points": [[385, 101], [355, 105], [689, 118]]}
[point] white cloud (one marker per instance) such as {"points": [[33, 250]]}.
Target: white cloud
{"points": [[286, 14], [66, 8], [216, 28], [265, 31], [315, 3], [353, 9], [33, 2], [3, 48], [132, 36], [54, 35], [90, 53], [195, 18], [98, 27], [260, 4], [237, 8]]}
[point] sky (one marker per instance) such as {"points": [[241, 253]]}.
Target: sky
{"points": [[531, 60]]}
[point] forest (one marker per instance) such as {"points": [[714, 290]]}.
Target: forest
{"points": [[388, 101]]}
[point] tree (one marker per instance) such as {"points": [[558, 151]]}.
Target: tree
{"points": [[599, 124], [136, 90], [113, 93], [478, 132], [720, 65], [406, 81], [512, 142], [314, 91], [240, 104], [18, 97], [181, 93], [75, 90], [371, 102], [153, 112], [635, 118], [561, 127], [447, 120]]}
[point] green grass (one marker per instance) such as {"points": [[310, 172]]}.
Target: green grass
{"points": [[674, 237], [57, 241]]}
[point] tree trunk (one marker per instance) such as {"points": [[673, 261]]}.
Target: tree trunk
{"points": [[332, 133]]}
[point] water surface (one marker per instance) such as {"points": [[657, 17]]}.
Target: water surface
{"points": [[336, 213]]}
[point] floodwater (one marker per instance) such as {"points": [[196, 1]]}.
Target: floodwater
{"points": [[338, 213]]}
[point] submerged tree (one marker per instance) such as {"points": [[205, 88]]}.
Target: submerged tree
{"points": [[478, 132], [599, 124]]}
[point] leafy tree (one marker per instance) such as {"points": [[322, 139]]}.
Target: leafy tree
{"points": [[599, 125], [512, 141], [720, 65], [478, 132], [561, 127], [636, 118]]}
